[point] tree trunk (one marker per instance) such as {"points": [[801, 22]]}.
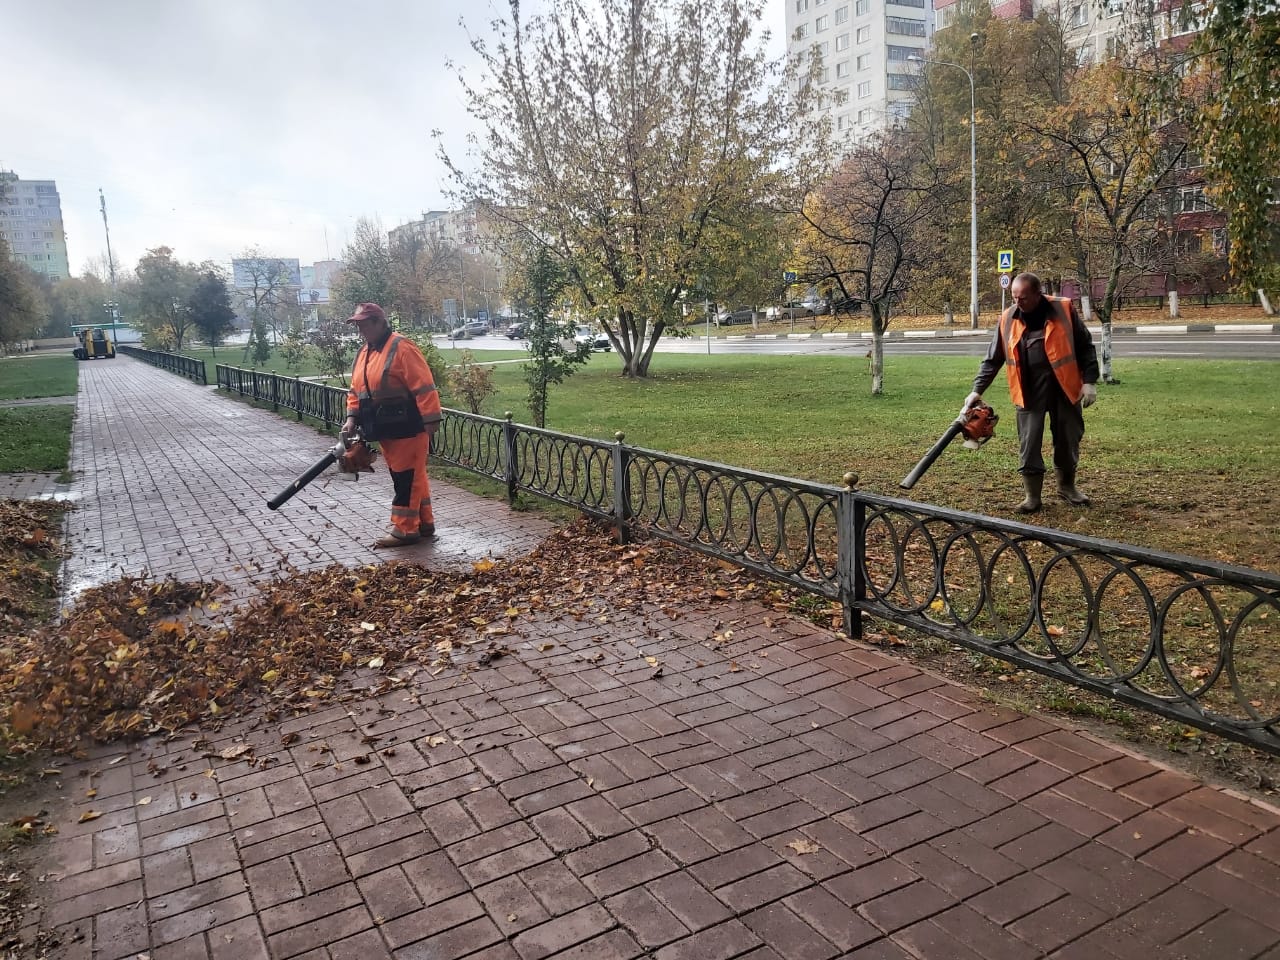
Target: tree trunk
{"points": [[950, 317], [1105, 313], [878, 323], [1173, 304]]}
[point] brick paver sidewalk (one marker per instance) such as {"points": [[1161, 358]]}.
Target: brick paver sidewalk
{"points": [[780, 794]]}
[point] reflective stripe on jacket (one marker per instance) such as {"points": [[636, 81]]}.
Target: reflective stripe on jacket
{"points": [[395, 369], [1059, 347]]}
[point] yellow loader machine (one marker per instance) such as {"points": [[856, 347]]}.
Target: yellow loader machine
{"points": [[94, 343]]}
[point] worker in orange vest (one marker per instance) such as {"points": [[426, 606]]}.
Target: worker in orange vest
{"points": [[1052, 367], [393, 400]]}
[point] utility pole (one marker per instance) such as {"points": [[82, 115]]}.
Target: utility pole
{"points": [[111, 264]]}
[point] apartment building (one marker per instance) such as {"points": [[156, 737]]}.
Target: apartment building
{"points": [[865, 47], [31, 224]]}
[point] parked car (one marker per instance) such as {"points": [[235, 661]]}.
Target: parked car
{"points": [[472, 328], [597, 339], [791, 310], [727, 318], [847, 305], [518, 331], [816, 305]]}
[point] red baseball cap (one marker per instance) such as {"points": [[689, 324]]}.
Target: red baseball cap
{"points": [[367, 311]]}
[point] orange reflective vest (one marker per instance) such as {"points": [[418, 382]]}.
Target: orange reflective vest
{"points": [[1059, 347], [387, 384]]}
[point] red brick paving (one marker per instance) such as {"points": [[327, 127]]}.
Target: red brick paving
{"points": [[823, 801]]}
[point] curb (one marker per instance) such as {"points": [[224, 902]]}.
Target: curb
{"points": [[1138, 329]]}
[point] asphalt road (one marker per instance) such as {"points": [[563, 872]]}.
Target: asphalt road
{"points": [[1219, 346]]}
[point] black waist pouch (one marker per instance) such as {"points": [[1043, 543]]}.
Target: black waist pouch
{"points": [[390, 418]]}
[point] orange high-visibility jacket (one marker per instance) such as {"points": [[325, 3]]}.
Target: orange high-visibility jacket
{"points": [[395, 369], [1059, 347]]}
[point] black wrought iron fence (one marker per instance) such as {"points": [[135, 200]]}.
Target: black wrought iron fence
{"points": [[1187, 639], [188, 367]]}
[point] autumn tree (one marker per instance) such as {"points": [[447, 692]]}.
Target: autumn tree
{"points": [[1120, 135], [162, 285], [636, 140], [368, 271], [423, 270], [268, 290], [536, 286], [1238, 127], [866, 229], [21, 310], [209, 306], [76, 301]]}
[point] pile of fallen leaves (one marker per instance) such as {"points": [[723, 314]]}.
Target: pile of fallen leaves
{"points": [[30, 551], [137, 657]]}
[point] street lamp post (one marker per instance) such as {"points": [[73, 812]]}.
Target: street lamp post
{"points": [[111, 307], [973, 182]]}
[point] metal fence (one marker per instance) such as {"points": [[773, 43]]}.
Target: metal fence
{"points": [[1188, 639], [188, 367]]}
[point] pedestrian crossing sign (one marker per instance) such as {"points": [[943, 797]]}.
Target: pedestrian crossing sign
{"points": [[1005, 261]]}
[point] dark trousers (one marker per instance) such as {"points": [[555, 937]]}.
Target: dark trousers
{"points": [[1066, 424]]}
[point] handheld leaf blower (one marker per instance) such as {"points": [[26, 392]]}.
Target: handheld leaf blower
{"points": [[352, 455], [977, 424]]}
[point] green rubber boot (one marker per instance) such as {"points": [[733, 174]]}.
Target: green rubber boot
{"points": [[1033, 483]]}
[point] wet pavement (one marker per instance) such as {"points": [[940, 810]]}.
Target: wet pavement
{"points": [[782, 793]]}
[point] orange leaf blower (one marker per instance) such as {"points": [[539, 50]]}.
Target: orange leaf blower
{"points": [[977, 424]]}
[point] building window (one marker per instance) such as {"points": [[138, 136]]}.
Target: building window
{"points": [[824, 48], [904, 27], [842, 42], [842, 69], [911, 3], [1079, 16], [1189, 160], [821, 24], [861, 8], [840, 122], [1193, 200], [864, 89], [802, 6], [864, 116], [864, 61], [902, 81], [802, 31], [864, 34], [842, 14], [894, 52], [1115, 8]]}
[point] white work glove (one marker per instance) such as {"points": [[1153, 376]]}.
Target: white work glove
{"points": [[1088, 395], [969, 401]]}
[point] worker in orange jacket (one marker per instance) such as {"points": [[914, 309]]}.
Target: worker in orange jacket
{"points": [[1052, 367], [393, 400]]}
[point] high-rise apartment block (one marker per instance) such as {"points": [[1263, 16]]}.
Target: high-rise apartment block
{"points": [[865, 46], [31, 224]]}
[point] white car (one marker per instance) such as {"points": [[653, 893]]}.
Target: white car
{"points": [[597, 340]]}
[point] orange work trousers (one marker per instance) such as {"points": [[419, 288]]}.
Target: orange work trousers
{"points": [[407, 463]]}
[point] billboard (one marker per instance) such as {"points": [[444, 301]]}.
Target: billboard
{"points": [[265, 272]]}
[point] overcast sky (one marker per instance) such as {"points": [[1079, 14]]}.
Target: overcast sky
{"points": [[214, 125]]}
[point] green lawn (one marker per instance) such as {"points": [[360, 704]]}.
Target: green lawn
{"points": [[35, 439], [38, 376], [235, 357], [1180, 455]]}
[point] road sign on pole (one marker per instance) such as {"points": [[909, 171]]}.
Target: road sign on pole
{"points": [[789, 276], [1004, 261], [1004, 281]]}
